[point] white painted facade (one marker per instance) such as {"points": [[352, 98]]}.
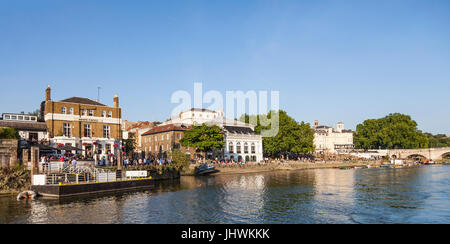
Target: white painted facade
{"points": [[330, 140]]}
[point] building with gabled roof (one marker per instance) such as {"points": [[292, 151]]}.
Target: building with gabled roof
{"points": [[83, 123]]}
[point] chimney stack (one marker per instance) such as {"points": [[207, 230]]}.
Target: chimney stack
{"points": [[116, 101], [48, 94]]}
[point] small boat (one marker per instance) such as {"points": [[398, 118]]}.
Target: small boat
{"points": [[205, 169], [344, 167], [27, 195]]}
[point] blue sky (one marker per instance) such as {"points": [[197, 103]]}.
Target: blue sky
{"points": [[330, 60]]}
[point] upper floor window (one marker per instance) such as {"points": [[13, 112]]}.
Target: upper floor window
{"points": [[110, 114], [179, 136], [238, 147], [67, 130], [84, 112], [63, 110], [87, 130], [246, 147], [103, 113], [167, 136], [106, 131], [91, 112], [253, 148], [70, 110], [230, 147]]}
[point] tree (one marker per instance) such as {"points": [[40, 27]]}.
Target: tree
{"points": [[292, 137], [180, 159], [129, 144], [395, 131], [204, 138], [36, 112], [9, 133]]}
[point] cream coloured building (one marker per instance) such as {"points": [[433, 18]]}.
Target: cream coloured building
{"points": [[332, 140]]}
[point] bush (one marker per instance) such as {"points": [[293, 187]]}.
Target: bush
{"points": [[15, 178]]}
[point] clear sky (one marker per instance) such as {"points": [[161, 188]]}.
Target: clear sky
{"points": [[330, 60]]}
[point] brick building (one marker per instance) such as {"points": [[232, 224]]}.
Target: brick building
{"points": [[83, 123], [160, 140]]}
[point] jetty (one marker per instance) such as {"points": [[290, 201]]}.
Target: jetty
{"points": [[58, 182]]}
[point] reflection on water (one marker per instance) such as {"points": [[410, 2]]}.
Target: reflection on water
{"points": [[407, 195]]}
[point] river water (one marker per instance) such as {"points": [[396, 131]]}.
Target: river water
{"points": [[376, 195]]}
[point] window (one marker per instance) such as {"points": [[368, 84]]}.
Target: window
{"points": [[246, 147], [7, 117], [84, 112], [162, 147], [67, 130], [253, 148], [156, 148], [230, 147], [109, 114], [238, 147], [162, 137], [179, 136], [167, 147], [70, 110], [106, 131], [87, 130], [167, 136], [108, 148], [13, 117], [156, 138], [103, 113], [91, 112], [63, 110], [27, 118], [20, 117]]}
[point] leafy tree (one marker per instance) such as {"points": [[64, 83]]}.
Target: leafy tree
{"points": [[204, 138], [9, 133], [395, 131], [439, 140], [130, 144], [180, 159], [292, 137]]}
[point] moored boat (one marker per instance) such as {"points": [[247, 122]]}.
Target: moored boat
{"points": [[205, 169]]}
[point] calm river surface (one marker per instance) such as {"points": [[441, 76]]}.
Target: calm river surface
{"points": [[407, 195]]}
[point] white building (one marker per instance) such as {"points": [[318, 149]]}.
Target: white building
{"points": [[241, 141], [330, 140]]}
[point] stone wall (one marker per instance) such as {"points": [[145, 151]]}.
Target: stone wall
{"points": [[8, 152]]}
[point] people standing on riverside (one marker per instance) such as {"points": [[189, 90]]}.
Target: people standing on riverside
{"points": [[74, 163]]}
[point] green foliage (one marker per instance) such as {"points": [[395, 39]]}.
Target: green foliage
{"points": [[180, 159], [439, 140], [36, 112], [204, 138], [9, 133], [292, 137], [130, 143], [14, 178], [395, 131]]}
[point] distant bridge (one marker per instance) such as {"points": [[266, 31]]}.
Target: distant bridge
{"points": [[429, 153]]}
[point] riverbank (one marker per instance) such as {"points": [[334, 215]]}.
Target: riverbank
{"points": [[289, 165]]}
